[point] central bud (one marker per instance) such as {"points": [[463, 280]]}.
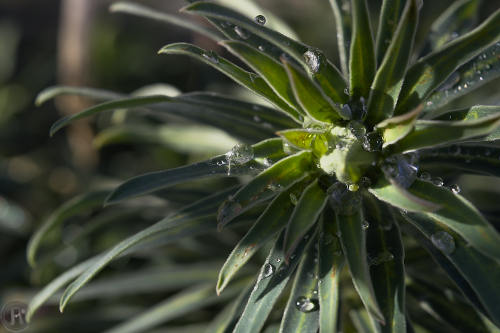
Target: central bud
{"points": [[346, 158]]}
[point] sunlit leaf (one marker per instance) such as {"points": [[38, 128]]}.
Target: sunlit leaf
{"points": [[341, 11], [388, 22]]}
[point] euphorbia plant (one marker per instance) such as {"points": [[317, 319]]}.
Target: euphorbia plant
{"points": [[339, 166]]}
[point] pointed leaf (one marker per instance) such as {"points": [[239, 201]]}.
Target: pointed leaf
{"points": [[341, 11], [458, 19], [459, 215], [306, 319], [395, 128], [387, 25], [225, 321], [216, 166], [273, 278], [266, 67], [97, 94], [272, 220], [249, 80], [471, 76], [82, 203], [130, 102], [150, 13], [429, 72], [389, 77], [328, 77], [385, 250], [362, 56], [310, 97], [480, 271], [304, 216], [331, 262], [429, 133], [353, 241], [267, 184]]}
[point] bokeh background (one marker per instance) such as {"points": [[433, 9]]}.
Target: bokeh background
{"points": [[80, 43]]}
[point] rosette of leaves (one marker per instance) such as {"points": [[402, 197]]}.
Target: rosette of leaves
{"points": [[337, 185]]}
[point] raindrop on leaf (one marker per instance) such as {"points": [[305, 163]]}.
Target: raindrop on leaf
{"points": [[443, 241], [260, 19]]}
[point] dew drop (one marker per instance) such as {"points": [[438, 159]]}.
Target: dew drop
{"points": [[293, 199], [401, 169], [365, 225], [242, 33], [382, 257], [211, 56], [443, 241], [425, 176], [260, 19], [261, 48], [455, 188], [268, 270], [240, 154], [372, 142], [353, 187], [346, 91], [313, 61], [304, 304], [278, 260], [346, 110], [438, 181]]}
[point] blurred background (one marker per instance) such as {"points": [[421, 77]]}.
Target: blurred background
{"points": [[80, 43]]}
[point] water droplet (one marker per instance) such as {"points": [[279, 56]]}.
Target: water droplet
{"points": [[260, 19], [211, 56], [346, 91], [455, 188], [293, 199], [278, 260], [268, 270], [227, 210], [304, 304], [240, 154], [346, 110], [438, 181], [313, 60], [365, 225], [401, 170], [372, 142], [261, 48], [242, 33], [353, 187], [425, 176], [382, 257], [443, 241]]}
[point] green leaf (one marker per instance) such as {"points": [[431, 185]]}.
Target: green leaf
{"points": [[82, 203], [387, 25], [50, 289], [150, 13], [331, 263], [481, 272], [457, 214], [304, 216], [429, 72], [353, 241], [458, 19], [267, 184], [386, 253], [389, 77], [193, 219], [396, 195], [395, 128], [266, 67], [310, 97], [176, 306], [97, 94], [328, 77], [361, 321], [301, 311], [216, 166], [225, 321], [272, 220], [249, 80], [341, 11], [430, 133], [129, 102], [362, 56], [273, 278], [474, 74]]}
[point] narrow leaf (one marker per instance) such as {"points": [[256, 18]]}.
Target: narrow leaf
{"points": [[430, 133], [306, 139], [226, 320], [249, 80], [458, 19], [96, 94], [301, 311], [362, 56], [389, 77], [341, 11], [387, 25], [272, 220], [331, 262], [216, 166], [150, 13], [353, 241], [77, 205], [429, 72], [310, 97], [395, 128], [304, 216], [267, 184]]}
